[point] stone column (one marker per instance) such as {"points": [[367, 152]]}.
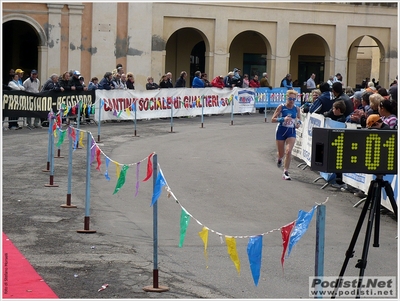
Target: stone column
{"points": [[340, 53], [386, 79], [209, 63], [53, 39], [75, 35], [42, 65], [281, 52], [103, 38], [352, 67], [220, 51], [139, 58]]}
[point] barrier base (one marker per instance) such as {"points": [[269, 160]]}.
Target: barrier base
{"points": [[45, 170], [68, 206], [50, 185], [159, 289], [86, 231]]}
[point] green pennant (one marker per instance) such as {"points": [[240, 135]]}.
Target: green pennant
{"points": [[121, 178], [61, 138], [119, 114], [185, 218]]}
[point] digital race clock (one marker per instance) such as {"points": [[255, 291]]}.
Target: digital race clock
{"points": [[354, 151]]}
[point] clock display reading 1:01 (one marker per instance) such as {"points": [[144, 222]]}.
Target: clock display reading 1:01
{"points": [[354, 151]]}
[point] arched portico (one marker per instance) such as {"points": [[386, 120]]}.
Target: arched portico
{"points": [[27, 23]]}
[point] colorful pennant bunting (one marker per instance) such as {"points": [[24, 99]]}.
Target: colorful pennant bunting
{"points": [[61, 138], [137, 179], [302, 223], [204, 237], [285, 231], [231, 245], [98, 152], [121, 179], [185, 218], [149, 168], [254, 252], [160, 182], [106, 173]]}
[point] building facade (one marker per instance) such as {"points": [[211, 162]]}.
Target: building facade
{"points": [[358, 40]]}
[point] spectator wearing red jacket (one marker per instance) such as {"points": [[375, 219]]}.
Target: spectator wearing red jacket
{"points": [[218, 82], [254, 83]]}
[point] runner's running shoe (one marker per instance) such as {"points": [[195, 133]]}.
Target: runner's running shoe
{"points": [[286, 175]]}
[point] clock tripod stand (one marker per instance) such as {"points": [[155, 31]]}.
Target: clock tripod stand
{"points": [[372, 201]]}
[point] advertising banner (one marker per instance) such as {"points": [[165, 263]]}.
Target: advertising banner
{"points": [[175, 102], [25, 104]]}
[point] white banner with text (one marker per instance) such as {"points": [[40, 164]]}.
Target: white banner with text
{"points": [[175, 102]]}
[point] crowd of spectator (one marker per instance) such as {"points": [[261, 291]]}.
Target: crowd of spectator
{"points": [[372, 99]]}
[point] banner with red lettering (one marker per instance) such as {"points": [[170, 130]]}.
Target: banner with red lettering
{"points": [[175, 102]]}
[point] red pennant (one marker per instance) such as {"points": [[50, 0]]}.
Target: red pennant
{"points": [[54, 126], [285, 231], [73, 110], [98, 158], [59, 121], [73, 135], [149, 168]]}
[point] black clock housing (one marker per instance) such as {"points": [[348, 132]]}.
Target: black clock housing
{"points": [[354, 151]]}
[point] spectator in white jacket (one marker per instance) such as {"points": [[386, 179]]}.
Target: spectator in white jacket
{"points": [[32, 84], [14, 84]]}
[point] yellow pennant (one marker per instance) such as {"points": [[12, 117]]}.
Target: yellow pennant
{"points": [[81, 134], [84, 107], [117, 169], [231, 244], [128, 111], [66, 111], [204, 236]]}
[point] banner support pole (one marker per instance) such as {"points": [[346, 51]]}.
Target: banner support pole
{"points": [[51, 184], [68, 203], [320, 243], [172, 118], [155, 287], [87, 199], [98, 125], [48, 151], [202, 111]]}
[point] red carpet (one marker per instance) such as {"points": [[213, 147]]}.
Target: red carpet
{"points": [[20, 279]]}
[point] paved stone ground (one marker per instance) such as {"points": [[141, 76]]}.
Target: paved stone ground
{"points": [[225, 175]]}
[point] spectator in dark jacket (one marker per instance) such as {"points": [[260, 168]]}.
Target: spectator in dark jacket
{"points": [[151, 85], [324, 102], [63, 81], [338, 93], [205, 80], [106, 82], [75, 81], [181, 81], [52, 84], [228, 80], [130, 81]]}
